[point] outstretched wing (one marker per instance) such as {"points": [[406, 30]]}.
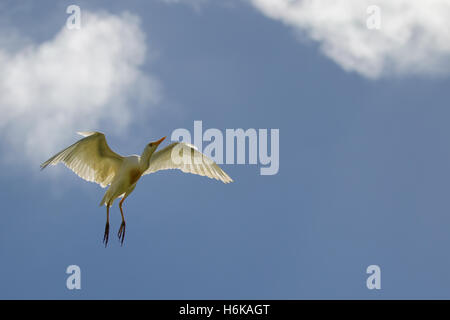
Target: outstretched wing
{"points": [[90, 158], [187, 158]]}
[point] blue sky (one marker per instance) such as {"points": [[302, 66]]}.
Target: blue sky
{"points": [[364, 155]]}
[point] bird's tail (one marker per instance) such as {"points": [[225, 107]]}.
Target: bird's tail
{"points": [[103, 202]]}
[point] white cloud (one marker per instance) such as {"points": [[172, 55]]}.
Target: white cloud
{"points": [[414, 37], [79, 80]]}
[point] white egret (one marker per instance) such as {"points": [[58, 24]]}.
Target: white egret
{"points": [[92, 159]]}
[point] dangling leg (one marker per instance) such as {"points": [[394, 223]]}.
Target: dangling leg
{"points": [[106, 236], [121, 232]]}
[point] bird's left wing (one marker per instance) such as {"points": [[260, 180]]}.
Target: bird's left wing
{"points": [[187, 158], [90, 158]]}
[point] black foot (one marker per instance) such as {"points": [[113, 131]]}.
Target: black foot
{"points": [[106, 236], [121, 233]]}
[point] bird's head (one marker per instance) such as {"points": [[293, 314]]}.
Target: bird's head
{"points": [[148, 151], [152, 146]]}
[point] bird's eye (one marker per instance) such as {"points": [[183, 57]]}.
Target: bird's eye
{"points": [[150, 144]]}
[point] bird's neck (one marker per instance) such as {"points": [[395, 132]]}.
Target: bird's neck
{"points": [[145, 160]]}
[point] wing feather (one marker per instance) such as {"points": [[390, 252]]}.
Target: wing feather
{"points": [[187, 158], [90, 158]]}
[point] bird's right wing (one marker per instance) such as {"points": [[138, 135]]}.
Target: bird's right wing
{"points": [[187, 158], [90, 158]]}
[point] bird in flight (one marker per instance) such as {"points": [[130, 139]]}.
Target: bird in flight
{"points": [[93, 160]]}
